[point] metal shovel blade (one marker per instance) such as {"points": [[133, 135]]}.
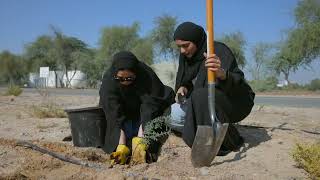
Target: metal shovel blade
{"points": [[207, 143], [209, 138]]}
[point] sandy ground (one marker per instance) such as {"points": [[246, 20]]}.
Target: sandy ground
{"points": [[265, 155]]}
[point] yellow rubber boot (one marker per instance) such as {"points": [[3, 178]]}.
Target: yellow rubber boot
{"points": [[139, 149], [121, 155]]}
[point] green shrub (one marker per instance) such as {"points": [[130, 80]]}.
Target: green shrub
{"points": [[307, 157], [314, 85], [13, 90], [157, 130], [264, 85], [48, 111], [293, 86]]}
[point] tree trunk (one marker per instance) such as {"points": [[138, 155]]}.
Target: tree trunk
{"points": [[67, 82], [56, 79], [286, 77]]}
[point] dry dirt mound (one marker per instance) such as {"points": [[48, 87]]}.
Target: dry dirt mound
{"points": [[21, 162]]}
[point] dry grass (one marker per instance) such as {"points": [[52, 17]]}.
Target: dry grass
{"points": [[49, 110], [39, 126], [13, 90], [307, 157]]}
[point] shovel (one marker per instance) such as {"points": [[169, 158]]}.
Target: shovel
{"points": [[208, 139]]}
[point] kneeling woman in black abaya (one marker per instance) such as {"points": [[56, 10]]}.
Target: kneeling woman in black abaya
{"points": [[234, 98], [131, 95]]}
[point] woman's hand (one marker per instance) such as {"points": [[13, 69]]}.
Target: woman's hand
{"points": [[183, 91], [213, 63]]}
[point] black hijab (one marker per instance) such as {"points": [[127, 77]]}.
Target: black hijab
{"points": [[189, 67], [124, 60]]}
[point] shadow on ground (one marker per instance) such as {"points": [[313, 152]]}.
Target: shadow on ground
{"points": [[253, 136]]}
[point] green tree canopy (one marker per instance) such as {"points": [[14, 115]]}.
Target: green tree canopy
{"points": [[236, 42], [285, 61], [305, 39], [162, 36], [58, 52], [12, 68], [261, 54], [118, 38], [143, 50], [302, 45], [41, 52], [70, 51]]}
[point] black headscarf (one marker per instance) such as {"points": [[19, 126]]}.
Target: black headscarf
{"points": [[124, 60], [189, 31], [143, 100], [189, 67]]}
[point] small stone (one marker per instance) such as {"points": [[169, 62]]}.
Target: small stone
{"points": [[204, 171], [130, 174]]}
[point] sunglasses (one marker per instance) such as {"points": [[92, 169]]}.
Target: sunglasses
{"points": [[123, 79]]}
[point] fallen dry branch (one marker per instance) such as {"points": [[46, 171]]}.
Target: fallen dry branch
{"points": [[60, 156], [279, 128]]}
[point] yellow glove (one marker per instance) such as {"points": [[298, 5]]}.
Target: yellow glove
{"points": [[138, 150], [121, 155]]}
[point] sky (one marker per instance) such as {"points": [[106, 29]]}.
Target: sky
{"points": [[22, 21]]}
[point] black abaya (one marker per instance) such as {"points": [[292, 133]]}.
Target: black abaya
{"points": [[234, 97], [145, 99]]}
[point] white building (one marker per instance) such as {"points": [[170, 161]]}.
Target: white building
{"points": [[58, 79], [282, 83], [78, 79]]}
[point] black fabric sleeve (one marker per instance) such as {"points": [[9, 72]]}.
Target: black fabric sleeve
{"points": [[156, 101], [235, 81], [236, 88], [110, 102], [114, 110]]}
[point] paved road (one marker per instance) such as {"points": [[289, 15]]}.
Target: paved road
{"points": [[289, 101]]}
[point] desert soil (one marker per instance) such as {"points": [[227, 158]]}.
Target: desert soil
{"points": [[270, 135]]}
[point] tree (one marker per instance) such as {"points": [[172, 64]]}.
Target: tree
{"points": [[88, 64], [115, 39], [236, 42], [69, 50], [58, 52], [41, 52], [162, 36], [302, 44], [118, 38], [12, 68], [286, 60], [144, 50], [305, 38], [261, 56]]}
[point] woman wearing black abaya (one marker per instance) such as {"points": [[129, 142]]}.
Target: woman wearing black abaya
{"points": [[234, 97], [131, 95]]}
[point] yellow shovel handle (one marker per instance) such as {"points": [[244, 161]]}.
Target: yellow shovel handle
{"points": [[210, 40]]}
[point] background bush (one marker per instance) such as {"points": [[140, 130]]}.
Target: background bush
{"points": [[13, 90], [307, 157]]}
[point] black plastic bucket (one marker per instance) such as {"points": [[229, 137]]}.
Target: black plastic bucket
{"points": [[88, 126]]}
